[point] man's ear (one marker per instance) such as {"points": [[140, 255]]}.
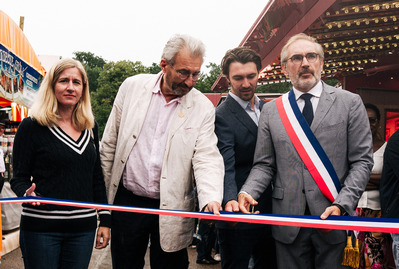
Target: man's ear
{"points": [[284, 68], [163, 64]]}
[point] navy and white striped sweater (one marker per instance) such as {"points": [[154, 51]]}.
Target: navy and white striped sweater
{"points": [[61, 168]]}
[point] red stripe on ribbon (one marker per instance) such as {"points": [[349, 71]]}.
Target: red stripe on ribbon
{"points": [[335, 222]]}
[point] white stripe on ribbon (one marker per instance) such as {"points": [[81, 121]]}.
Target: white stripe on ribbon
{"points": [[333, 222], [308, 146]]}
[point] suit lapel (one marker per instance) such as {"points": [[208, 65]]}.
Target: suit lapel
{"points": [[327, 98], [241, 115]]}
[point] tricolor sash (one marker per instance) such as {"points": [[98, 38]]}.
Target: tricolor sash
{"points": [[307, 146]]}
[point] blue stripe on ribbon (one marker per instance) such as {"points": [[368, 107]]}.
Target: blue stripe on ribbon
{"points": [[332, 222]]}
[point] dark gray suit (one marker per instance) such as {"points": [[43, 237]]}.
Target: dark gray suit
{"points": [[237, 134], [341, 126]]}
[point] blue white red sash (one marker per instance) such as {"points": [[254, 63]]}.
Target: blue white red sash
{"points": [[332, 222], [307, 146]]}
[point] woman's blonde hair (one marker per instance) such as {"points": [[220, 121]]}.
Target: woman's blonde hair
{"points": [[45, 107]]}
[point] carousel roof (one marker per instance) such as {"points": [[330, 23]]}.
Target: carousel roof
{"points": [[360, 37]]}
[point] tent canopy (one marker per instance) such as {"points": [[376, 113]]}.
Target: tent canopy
{"points": [[13, 38]]}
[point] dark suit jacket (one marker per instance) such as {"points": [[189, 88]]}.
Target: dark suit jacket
{"points": [[389, 185], [342, 128], [237, 134]]}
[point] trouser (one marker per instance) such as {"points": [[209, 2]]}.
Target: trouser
{"points": [[309, 250], [207, 242], [56, 250], [239, 246], [131, 232]]}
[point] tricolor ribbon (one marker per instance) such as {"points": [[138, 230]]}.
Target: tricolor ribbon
{"points": [[333, 222], [307, 146]]}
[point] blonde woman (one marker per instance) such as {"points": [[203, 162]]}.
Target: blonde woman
{"points": [[56, 155]]}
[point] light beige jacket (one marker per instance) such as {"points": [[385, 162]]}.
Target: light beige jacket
{"points": [[191, 151]]}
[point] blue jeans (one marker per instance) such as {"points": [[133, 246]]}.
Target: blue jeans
{"points": [[56, 250], [395, 248]]}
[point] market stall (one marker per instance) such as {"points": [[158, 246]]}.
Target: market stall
{"points": [[20, 77]]}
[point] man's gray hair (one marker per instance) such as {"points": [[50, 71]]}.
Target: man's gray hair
{"points": [[178, 42], [293, 39]]}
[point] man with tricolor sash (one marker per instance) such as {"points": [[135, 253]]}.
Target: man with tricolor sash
{"points": [[314, 142]]}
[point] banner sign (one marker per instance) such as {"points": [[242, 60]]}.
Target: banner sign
{"points": [[333, 222], [19, 82]]}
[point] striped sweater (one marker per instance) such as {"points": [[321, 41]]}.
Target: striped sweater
{"points": [[61, 168]]}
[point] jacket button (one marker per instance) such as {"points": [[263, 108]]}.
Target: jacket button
{"points": [[134, 136], [163, 204], [122, 161]]}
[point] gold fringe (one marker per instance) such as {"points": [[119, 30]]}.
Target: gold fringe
{"points": [[348, 252], [356, 255]]}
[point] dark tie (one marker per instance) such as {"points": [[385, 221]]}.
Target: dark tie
{"points": [[307, 111]]}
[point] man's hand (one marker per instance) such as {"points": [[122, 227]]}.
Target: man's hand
{"points": [[213, 207], [103, 236], [245, 201], [331, 210], [232, 206]]}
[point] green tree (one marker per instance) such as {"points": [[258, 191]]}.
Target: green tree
{"points": [[89, 59], [205, 82], [281, 87], [154, 68], [109, 80], [93, 65]]}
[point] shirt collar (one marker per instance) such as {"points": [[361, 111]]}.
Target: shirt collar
{"points": [[315, 91], [244, 104]]}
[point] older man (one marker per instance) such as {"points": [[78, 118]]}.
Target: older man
{"points": [[159, 138], [320, 159]]}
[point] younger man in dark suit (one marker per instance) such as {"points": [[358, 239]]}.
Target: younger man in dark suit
{"points": [[236, 128]]}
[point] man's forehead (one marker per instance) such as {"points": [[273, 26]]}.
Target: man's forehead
{"points": [[242, 68], [301, 46], [186, 60]]}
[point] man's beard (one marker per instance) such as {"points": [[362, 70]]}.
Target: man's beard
{"points": [[309, 83], [180, 89]]}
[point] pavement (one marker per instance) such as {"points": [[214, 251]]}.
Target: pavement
{"points": [[101, 259]]}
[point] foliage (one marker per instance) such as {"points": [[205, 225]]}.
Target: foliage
{"points": [[205, 82], [154, 68], [93, 65], [109, 80], [89, 59], [332, 82], [281, 87]]}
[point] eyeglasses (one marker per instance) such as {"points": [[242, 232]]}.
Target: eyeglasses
{"points": [[372, 120], [185, 74], [311, 57]]}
